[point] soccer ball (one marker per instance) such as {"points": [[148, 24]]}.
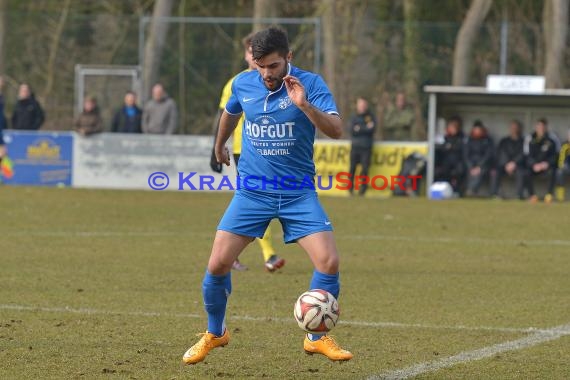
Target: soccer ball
{"points": [[316, 311]]}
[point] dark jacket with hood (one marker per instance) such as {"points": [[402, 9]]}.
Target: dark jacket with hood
{"points": [[362, 128], [478, 151], [126, 122], [451, 151], [28, 114], [510, 149], [541, 149]]}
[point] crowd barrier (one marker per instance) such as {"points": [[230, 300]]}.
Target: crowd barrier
{"points": [[126, 161]]}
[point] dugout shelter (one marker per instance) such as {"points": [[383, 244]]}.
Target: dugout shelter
{"points": [[495, 108]]}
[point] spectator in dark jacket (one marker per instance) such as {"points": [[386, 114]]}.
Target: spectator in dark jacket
{"points": [[478, 156], [28, 113], [510, 159], [541, 159], [362, 128], [449, 164], [128, 119], [89, 121]]}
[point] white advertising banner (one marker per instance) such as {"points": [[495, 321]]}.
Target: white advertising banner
{"points": [[159, 162]]}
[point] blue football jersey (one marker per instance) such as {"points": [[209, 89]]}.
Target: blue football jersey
{"points": [[278, 138]]}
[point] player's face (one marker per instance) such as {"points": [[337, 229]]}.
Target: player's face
{"points": [[273, 68]]}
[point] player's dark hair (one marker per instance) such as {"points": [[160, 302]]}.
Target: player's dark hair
{"points": [[543, 121], [269, 41], [478, 123]]}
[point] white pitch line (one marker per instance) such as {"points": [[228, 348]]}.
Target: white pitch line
{"points": [[421, 239], [74, 234], [89, 311], [472, 240], [534, 339]]}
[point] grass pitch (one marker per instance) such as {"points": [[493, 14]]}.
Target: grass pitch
{"points": [[107, 284]]}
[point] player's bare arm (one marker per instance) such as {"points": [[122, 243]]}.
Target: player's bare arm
{"points": [[330, 125], [228, 123]]}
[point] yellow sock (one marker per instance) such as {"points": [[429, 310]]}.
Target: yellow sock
{"points": [[266, 243], [560, 193]]}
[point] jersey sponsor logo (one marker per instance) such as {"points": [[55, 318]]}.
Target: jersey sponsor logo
{"points": [[247, 100], [266, 127], [285, 102]]}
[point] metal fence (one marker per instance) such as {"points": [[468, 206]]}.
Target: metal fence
{"points": [[201, 54]]}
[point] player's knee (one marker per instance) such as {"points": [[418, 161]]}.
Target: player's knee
{"points": [[329, 264], [219, 265]]}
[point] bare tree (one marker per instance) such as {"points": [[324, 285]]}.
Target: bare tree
{"points": [[329, 42], [182, 68], [2, 33], [55, 42], [155, 44], [465, 39], [555, 25], [411, 57], [263, 9]]}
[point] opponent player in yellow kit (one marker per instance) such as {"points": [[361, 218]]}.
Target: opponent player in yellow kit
{"points": [[272, 261]]}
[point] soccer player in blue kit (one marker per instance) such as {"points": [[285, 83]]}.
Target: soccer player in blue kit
{"points": [[282, 106]]}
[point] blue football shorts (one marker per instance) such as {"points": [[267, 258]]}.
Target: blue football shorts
{"points": [[250, 212]]}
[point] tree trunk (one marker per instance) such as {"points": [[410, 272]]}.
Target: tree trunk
{"points": [[411, 73], [3, 19], [182, 69], [263, 9], [329, 43], [465, 40], [555, 24], [155, 44], [55, 42]]}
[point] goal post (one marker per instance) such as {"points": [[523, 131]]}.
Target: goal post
{"points": [[108, 83]]}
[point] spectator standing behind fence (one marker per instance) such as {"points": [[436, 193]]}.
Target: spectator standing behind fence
{"points": [[160, 115], [510, 159], [541, 159], [449, 164], [128, 119], [28, 113], [89, 120], [478, 157], [362, 128], [563, 170], [399, 120]]}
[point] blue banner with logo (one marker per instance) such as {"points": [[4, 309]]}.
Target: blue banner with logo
{"points": [[39, 158]]}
